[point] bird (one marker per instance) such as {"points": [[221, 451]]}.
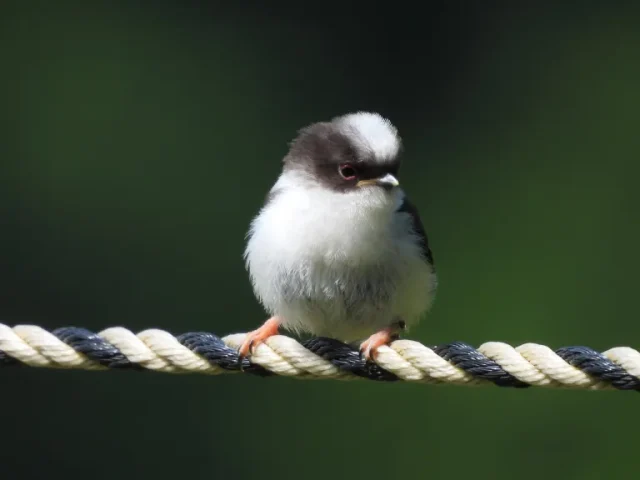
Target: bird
{"points": [[337, 249]]}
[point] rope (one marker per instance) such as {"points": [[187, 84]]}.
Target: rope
{"points": [[200, 352]]}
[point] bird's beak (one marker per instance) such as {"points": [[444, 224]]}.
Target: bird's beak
{"points": [[387, 181]]}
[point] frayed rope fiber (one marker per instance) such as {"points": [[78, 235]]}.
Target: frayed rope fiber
{"points": [[404, 360]]}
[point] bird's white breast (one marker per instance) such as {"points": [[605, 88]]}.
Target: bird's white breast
{"points": [[337, 264]]}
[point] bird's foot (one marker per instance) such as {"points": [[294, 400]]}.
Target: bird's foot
{"points": [[369, 348], [258, 336]]}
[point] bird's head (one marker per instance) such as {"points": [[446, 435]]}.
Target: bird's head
{"points": [[350, 154]]}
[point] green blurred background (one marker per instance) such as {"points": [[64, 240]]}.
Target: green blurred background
{"points": [[139, 139]]}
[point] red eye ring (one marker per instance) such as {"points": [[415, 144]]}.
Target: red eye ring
{"points": [[347, 171]]}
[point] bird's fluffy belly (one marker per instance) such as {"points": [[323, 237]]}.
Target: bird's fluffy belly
{"points": [[345, 303], [345, 275]]}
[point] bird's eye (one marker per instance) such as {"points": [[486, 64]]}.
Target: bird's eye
{"points": [[347, 171]]}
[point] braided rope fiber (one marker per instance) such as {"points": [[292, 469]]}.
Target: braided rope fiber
{"points": [[457, 363]]}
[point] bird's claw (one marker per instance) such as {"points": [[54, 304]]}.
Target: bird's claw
{"points": [[256, 337], [369, 348]]}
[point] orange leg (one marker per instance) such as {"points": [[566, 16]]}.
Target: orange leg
{"points": [[369, 348], [256, 337]]}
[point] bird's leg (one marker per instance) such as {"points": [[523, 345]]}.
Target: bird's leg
{"points": [[258, 336], [369, 348]]}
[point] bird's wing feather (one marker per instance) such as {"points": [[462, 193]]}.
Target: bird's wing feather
{"points": [[408, 207]]}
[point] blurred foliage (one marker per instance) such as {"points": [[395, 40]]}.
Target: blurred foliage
{"points": [[139, 139]]}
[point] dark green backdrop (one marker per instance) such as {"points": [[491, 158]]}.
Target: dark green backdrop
{"points": [[139, 139]]}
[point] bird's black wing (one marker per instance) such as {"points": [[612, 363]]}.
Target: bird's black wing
{"points": [[408, 207]]}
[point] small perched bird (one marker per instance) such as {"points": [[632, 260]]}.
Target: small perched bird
{"points": [[337, 249]]}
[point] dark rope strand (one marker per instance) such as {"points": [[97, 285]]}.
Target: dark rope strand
{"points": [[347, 358], [214, 350], [94, 347], [597, 365], [6, 360], [477, 365]]}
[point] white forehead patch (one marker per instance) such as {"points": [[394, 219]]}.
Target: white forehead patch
{"points": [[370, 132]]}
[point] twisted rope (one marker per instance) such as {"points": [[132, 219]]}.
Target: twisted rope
{"points": [[200, 352]]}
